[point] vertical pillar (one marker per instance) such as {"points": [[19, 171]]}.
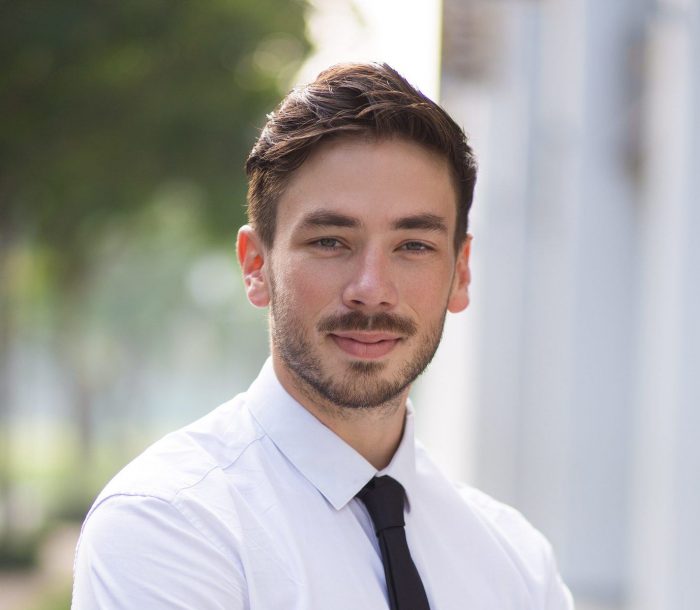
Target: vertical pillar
{"points": [[666, 529], [545, 90]]}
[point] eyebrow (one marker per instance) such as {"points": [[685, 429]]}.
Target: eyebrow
{"points": [[426, 222], [326, 218]]}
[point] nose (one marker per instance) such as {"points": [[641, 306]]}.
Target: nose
{"points": [[371, 285]]}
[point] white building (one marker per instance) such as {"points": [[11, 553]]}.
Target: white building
{"points": [[571, 387]]}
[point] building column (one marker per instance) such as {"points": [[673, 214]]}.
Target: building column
{"points": [[665, 537]]}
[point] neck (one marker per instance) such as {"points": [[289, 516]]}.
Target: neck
{"points": [[374, 432]]}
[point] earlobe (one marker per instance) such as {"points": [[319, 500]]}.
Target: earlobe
{"points": [[459, 295], [251, 256]]}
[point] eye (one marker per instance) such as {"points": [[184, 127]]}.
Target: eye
{"points": [[328, 243], [416, 246]]}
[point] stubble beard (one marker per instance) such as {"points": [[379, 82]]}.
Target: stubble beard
{"points": [[361, 385]]}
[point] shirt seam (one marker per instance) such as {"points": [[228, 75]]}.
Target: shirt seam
{"points": [[177, 507], [172, 499], [261, 435], [192, 519]]}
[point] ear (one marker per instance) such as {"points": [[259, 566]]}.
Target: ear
{"points": [[251, 256], [459, 293]]}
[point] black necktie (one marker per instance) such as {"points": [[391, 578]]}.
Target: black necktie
{"points": [[383, 497]]}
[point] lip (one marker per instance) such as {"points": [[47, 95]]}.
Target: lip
{"points": [[366, 345]]}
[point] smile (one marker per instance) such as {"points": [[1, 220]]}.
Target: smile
{"points": [[366, 345]]}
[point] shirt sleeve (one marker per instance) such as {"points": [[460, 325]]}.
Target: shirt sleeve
{"points": [[527, 548], [558, 596], [141, 552]]}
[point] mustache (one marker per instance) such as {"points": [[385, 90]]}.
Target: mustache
{"points": [[356, 320]]}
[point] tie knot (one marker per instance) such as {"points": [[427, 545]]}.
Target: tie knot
{"points": [[383, 497]]}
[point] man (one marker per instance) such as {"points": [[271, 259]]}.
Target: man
{"points": [[308, 491]]}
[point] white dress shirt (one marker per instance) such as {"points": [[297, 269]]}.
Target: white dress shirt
{"points": [[253, 506]]}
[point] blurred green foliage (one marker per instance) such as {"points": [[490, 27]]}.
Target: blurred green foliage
{"points": [[119, 121], [55, 599], [19, 551], [102, 102]]}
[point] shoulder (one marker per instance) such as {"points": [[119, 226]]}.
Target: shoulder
{"points": [[504, 533], [180, 483], [141, 551], [507, 525], [164, 519], [185, 458], [524, 544], [504, 524]]}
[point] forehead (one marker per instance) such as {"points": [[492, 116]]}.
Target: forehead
{"points": [[374, 180]]}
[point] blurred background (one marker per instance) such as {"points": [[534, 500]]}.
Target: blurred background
{"points": [[571, 386]]}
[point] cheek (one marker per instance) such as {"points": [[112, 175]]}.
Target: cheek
{"points": [[308, 289], [427, 292]]}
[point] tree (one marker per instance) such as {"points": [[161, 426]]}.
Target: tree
{"points": [[104, 102]]}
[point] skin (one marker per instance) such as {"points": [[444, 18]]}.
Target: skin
{"points": [[360, 276]]}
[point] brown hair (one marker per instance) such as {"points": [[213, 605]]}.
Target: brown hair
{"points": [[363, 99]]}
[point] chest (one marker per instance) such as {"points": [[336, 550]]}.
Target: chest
{"points": [[299, 553]]}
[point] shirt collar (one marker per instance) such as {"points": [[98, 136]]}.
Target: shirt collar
{"points": [[326, 460]]}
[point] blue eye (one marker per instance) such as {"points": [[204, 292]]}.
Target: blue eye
{"points": [[330, 243], [416, 246]]}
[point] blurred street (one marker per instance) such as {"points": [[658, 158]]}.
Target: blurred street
{"points": [[50, 580]]}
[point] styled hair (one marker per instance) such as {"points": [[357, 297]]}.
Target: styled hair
{"points": [[371, 100]]}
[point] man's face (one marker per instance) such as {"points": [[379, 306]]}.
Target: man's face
{"points": [[362, 270]]}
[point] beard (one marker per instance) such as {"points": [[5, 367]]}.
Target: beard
{"points": [[361, 384]]}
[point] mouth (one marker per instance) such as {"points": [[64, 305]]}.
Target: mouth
{"points": [[366, 345]]}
